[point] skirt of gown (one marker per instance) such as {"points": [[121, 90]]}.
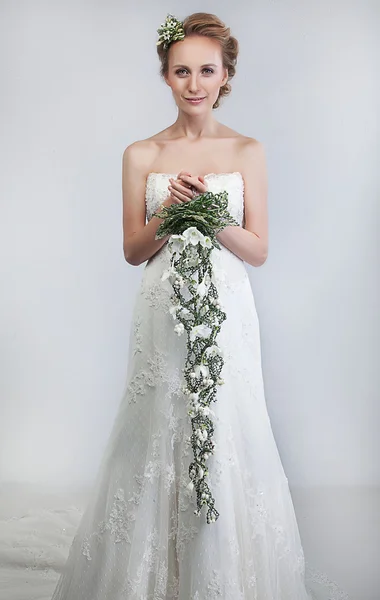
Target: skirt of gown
{"points": [[139, 538]]}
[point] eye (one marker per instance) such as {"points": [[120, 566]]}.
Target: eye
{"points": [[209, 71]]}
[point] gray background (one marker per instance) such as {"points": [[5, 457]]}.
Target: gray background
{"points": [[80, 83]]}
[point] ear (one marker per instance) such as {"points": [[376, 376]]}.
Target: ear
{"points": [[166, 80], [225, 78]]}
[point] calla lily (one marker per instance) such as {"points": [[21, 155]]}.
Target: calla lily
{"points": [[201, 370], [193, 236], [177, 243], [202, 288], [193, 302], [201, 331], [171, 272]]}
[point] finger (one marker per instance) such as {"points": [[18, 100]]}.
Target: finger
{"points": [[175, 200], [183, 172], [180, 181], [180, 197], [195, 183], [181, 189], [177, 194], [188, 179]]}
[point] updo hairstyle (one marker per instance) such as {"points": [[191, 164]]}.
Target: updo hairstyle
{"points": [[211, 26]]}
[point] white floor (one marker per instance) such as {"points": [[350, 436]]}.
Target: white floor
{"points": [[340, 530]]}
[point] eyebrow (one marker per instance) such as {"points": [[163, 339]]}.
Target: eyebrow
{"points": [[206, 65]]}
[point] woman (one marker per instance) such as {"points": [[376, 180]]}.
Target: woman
{"points": [[144, 535]]}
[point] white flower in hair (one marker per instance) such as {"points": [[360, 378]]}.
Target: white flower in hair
{"points": [[170, 31]]}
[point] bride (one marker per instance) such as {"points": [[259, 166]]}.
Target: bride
{"points": [[145, 534]]}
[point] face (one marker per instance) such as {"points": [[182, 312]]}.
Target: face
{"points": [[195, 72]]}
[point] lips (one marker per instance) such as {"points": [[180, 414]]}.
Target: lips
{"points": [[194, 100]]}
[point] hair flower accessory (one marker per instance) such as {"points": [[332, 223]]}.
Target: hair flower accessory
{"points": [[170, 31]]}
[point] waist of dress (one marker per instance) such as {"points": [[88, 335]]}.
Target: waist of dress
{"points": [[229, 270]]}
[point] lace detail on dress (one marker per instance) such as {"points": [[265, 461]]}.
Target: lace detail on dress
{"points": [[139, 538], [155, 373], [119, 523]]}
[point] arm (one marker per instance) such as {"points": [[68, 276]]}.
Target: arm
{"points": [[138, 237], [251, 242]]}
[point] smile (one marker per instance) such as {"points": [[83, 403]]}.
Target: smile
{"points": [[194, 100]]}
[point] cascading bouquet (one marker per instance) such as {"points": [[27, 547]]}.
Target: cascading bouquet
{"points": [[192, 227]]}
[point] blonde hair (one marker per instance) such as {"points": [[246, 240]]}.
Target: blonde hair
{"points": [[210, 26]]}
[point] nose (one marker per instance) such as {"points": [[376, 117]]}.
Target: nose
{"points": [[193, 83]]}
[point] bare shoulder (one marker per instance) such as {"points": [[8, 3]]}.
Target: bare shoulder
{"points": [[251, 153], [246, 147], [139, 155], [250, 146]]}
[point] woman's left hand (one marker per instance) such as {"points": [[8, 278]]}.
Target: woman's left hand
{"points": [[186, 183]]}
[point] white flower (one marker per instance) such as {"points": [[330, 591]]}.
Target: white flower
{"points": [[179, 329], [179, 281], [194, 396], [173, 311], [206, 410], [190, 486], [193, 236], [214, 350], [201, 331], [201, 370], [170, 272], [202, 288], [193, 407], [177, 243], [207, 242], [193, 261]]}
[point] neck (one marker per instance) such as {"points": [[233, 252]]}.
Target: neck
{"points": [[195, 127]]}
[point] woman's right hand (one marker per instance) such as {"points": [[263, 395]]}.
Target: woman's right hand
{"points": [[179, 190]]}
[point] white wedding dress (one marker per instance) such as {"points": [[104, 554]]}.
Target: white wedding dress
{"points": [[139, 538]]}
